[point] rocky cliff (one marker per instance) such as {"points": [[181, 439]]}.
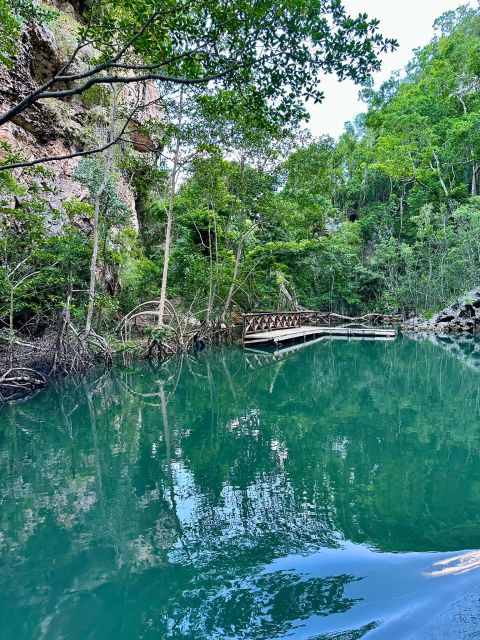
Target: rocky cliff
{"points": [[55, 128]]}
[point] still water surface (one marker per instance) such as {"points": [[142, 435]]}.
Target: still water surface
{"points": [[333, 494]]}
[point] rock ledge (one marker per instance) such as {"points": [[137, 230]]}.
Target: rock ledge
{"points": [[463, 315]]}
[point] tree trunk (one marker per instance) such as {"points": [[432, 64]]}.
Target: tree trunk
{"points": [[96, 217], [168, 233], [210, 284], [442, 183], [474, 188], [10, 326], [402, 196], [59, 347], [440, 178], [236, 266]]}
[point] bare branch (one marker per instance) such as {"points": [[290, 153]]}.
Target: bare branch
{"points": [[76, 154], [110, 79], [67, 156]]}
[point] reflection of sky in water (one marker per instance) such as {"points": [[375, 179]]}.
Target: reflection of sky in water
{"points": [[397, 585], [457, 564], [394, 584]]}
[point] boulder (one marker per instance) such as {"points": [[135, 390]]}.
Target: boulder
{"points": [[463, 315]]}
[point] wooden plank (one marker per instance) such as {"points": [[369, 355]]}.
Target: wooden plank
{"points": [[273, 320], [282, 335], [278, 332], [300, 345]]}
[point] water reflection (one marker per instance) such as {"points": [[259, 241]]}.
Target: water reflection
{"points": [[219, 497], [456, 564]]}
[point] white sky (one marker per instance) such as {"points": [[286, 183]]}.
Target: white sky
{"points": [[410, 22]]}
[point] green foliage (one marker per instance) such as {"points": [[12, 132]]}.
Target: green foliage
{"points": [[310, 182], [45, 263], [74, 207], [159, 333], [140, 280], [128, 347], [380, 220], [90, 173], [219, 41], [12, 14], [386, 218]]}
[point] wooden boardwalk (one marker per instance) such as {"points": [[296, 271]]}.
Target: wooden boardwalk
{"points": [[259, 356], [283, 335], [278, 327]]}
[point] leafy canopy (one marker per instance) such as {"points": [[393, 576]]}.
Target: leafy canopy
{"points": [[269, 51]]}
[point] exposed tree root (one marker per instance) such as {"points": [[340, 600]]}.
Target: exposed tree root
{"points": [[179, 333], [54, 355], [18, 381]]}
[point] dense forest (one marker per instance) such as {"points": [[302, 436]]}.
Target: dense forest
{"points": [[215, 199]]}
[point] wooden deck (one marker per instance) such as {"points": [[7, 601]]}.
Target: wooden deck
{"points": [[273, 320], [278, 336]]}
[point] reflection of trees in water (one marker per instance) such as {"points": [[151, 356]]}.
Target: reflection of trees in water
{"points": [[464, 347], [191, 475], [263, 606]]}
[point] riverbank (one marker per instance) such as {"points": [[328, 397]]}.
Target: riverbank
{"points": [[26, 368], [34, 364], [462, 316]]}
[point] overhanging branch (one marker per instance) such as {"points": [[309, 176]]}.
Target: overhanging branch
{"points": [[76, 154]]}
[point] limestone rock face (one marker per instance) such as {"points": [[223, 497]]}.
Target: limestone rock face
{"points": [[53, 127], [37, 60], [461, 316]]}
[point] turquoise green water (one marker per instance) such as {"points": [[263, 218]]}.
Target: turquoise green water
{"points": [[332, 494]]}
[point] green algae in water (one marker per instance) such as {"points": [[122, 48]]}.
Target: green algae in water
{"points": [[332, 494]]}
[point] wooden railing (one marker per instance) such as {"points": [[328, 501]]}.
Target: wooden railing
{"points": [[269, 321], [272, 320]]}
